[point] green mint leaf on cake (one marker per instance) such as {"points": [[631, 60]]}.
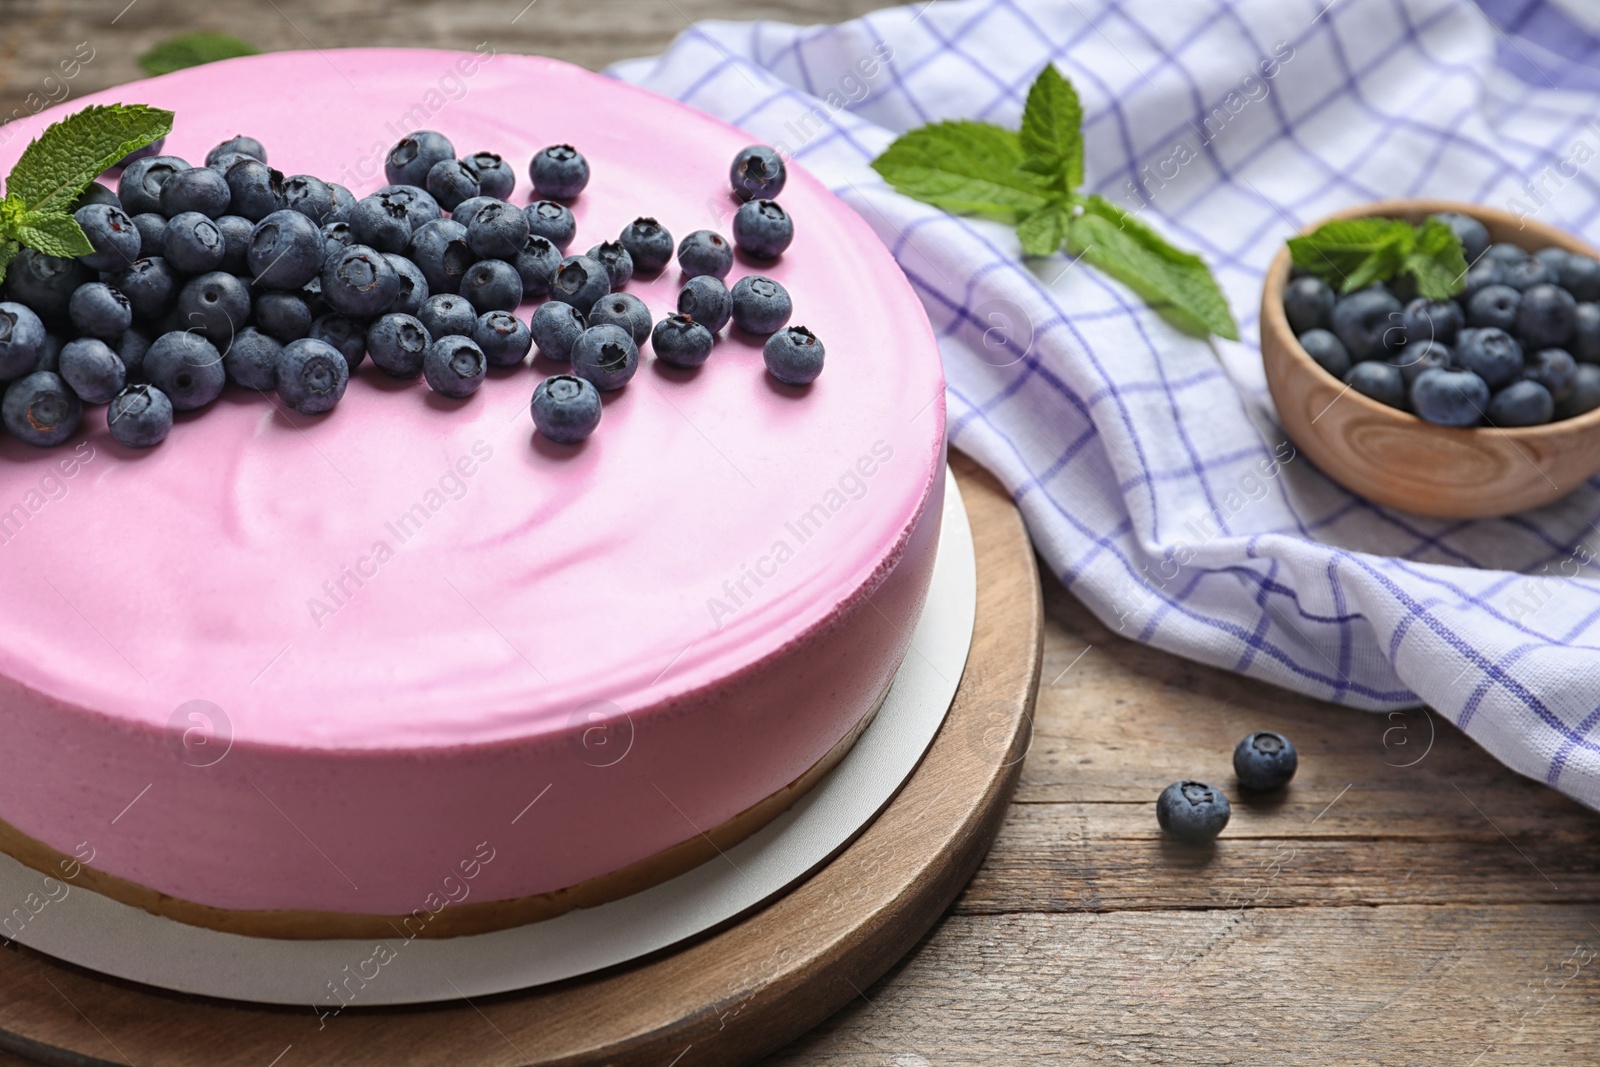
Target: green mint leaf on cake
{"points": [[967, 168], [1352, 254], [54, 235], [194, 49], [1174, 283], [1032, 180], [1052, 132]]}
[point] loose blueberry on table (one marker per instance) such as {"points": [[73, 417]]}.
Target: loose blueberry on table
{"points": [[1265, 761], [1192, 812]]}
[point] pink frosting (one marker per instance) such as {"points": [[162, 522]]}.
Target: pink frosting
{"points": [[408, 609]]}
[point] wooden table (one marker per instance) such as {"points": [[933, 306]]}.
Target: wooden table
{"points": [[1405, 902]]}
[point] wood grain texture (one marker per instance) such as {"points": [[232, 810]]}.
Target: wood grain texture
{"points": [[1395, 458], [729, 997]]}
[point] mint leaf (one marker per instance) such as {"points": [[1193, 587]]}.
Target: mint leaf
{"points": [[8, 252], [1042, 231], [71, 153], [1175, 283], [54, 235], [1437, 263], [1052, 131], [1351, 254], [969, 168], [192, 50]]}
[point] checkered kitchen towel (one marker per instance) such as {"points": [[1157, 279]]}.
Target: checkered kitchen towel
{"points": [[1149, 465]]}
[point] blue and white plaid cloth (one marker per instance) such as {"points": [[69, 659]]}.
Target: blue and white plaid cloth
{"points": [[1149, 465]]}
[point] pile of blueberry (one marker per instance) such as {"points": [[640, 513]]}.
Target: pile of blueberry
{"points": [[1519, 346], [231, 272], [1196, 813]]}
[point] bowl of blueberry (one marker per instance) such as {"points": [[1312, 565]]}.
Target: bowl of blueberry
{"points": [[1438, 357]]}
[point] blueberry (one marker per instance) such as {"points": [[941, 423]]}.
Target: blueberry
{"points": [[45, 283], [41, 410], [681, 342], [1524, 403], [308, 195], [440, 251], [194, 243], [1491, 354], [566, 408], [251, 360], [115, 238], [1369, 323], [397, 343], [221, 163], [150, 286], [131, 348], [1481, 275], [758, 172], [420, 205], [503, 337], [450, 183], [236, 231], [1449, 397], [359, 282], [381, 222], [580, 281], [1432, 320], [606, 356], [497, 230], [312, 376], [1473, 234], [536, 264], [411, 159], [344, 203], [794, 356], [1307, 302], [139, 188], [1553, 368], [93, 370], [1585, 346], [625, 310], [199, 189], [285, 250], [344, 335], [1585, 395], [760, 305], [413, 289], [762, 229], [1553, 259], [649, 243], [95, 193], [468, 209], [186, 367], [1505, 252], [1580, 276], [1265, 760], [454, 367], [255, 190], [140, 417], [559, 172], [283, 315], [240, 144], [707, 301], [1415, 358], [552, 221], [1328, 352], [492, 285], [215, 305], [555, 327], [98, 310], [1526, 273], [1547, 316], [494, 175], [1494, 305], [152, 228], [616, 260], [1381, 381], [445, 314], [1192, 812]]}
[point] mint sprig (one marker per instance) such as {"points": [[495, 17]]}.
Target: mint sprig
{"points": [[1031, 179], [194, 49], [1351, 254], [58, 166]]}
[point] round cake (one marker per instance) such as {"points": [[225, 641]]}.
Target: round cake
{"points": [[410, 667]]}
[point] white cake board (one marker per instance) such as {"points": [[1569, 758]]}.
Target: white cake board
{"points": [[100, 934]]}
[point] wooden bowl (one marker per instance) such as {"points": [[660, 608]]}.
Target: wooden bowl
{"points": [[1394, 458]]}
